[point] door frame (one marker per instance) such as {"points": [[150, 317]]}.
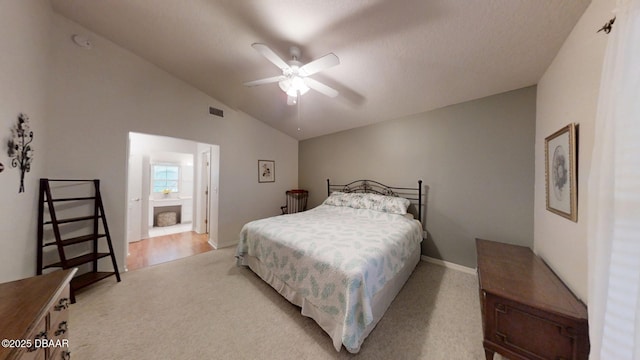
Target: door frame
{"points": [[214, 171]]}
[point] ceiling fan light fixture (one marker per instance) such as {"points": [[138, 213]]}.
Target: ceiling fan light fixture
{"points": [[295, 80], [293, 86], [285, 84]]}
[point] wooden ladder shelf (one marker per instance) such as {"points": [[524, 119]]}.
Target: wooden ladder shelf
{"points": [[91, 228]]}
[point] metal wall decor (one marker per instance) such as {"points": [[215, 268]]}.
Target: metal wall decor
{"points": [[20, 150], [607, 27]]}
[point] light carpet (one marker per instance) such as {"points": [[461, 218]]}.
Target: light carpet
{"points": [[204, 307]]}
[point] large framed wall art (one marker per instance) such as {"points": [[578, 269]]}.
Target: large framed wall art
{"points": [[560, 172]]}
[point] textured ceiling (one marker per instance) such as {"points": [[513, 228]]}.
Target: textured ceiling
{"points": [[397, 57]]}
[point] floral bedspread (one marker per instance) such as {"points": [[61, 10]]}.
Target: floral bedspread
{"points": [[336, 257]]}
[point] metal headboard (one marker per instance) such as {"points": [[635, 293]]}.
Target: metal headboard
{"points": [[370, 186]]}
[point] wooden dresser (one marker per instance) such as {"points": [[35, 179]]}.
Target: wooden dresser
{"points": [[34, 317], [527, 312]]}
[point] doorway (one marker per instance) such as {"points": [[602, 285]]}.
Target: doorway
{"points": [[172, 199]]}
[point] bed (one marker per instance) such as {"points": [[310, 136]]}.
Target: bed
{"points": [[344, 261]]}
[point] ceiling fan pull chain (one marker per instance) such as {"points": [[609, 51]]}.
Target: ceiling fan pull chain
{"points": [[298, 109]]}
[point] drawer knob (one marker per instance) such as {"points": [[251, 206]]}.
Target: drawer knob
{"points": [[40, 336], [63, 304], [62, 328]]}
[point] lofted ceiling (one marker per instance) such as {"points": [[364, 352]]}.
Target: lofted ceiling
{"points": [[397, 58]]}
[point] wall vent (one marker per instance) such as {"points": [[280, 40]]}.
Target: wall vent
{"points": [[216, 112]]}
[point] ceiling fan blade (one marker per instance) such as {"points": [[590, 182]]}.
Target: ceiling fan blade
{"points": [[319, 64], [266, 51], [264, 81], [320, 87]]}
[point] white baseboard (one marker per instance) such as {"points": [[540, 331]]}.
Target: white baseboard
{"points": [[449, 265], [227, 245], [213, 245]]}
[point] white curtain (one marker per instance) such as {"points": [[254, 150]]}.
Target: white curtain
{"points": [[614, 196]]}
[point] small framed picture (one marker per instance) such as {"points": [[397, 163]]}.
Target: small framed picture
{"points": [[266, 171], [560, 172]]}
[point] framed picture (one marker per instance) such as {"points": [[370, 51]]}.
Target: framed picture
{"points": [[266, 171], [560, 172]]}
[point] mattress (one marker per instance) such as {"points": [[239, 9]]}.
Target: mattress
{"points": [[342, 266]]}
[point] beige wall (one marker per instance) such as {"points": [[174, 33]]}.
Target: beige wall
{"points": [[24, 65], [475, 157], [568, 93], [99, 95], [92, 100], [478, 186]]}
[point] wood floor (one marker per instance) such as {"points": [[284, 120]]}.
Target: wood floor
{"points": [[166, 248]]}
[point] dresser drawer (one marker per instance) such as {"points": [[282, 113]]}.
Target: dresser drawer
{"points": [[59, 334], [59, 325], [38, 354], [60, 311], [40, 332], [59, 353], [527, 331]]}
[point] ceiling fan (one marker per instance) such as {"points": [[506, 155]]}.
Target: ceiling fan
{"points": [[295, 80]]}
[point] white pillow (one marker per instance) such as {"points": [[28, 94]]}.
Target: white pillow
{"points": [[336, 198], [388, 204]]}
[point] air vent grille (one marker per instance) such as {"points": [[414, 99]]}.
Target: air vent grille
{"points": [[216, 112]]}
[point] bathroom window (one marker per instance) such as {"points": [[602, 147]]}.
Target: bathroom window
{"points": [[165, 178]]}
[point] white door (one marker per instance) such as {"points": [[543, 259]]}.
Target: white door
{"points": [[214, 185], [206, 190], [134, 191]]}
